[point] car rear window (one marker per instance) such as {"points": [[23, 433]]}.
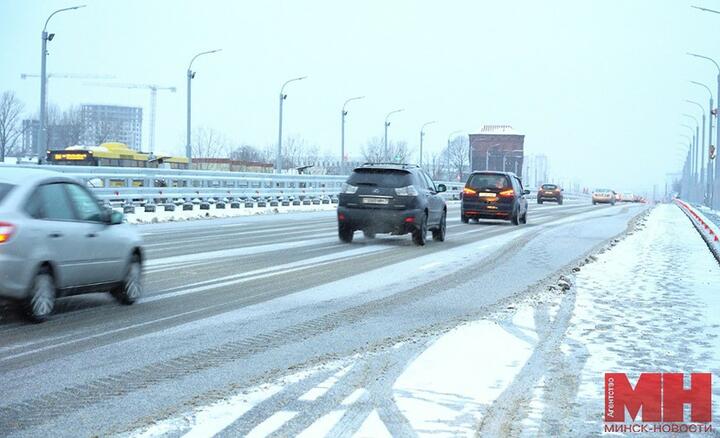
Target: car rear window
{"points": [[380, 177], [549, 186], [488, 181], [4, 190]]}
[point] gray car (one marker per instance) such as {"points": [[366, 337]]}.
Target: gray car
{"points": [[57, 240]]}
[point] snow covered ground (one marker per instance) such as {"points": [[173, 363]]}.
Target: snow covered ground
{"points": [[647, 303]]}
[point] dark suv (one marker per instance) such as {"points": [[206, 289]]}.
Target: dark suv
{"points": [[494, 195], [391, 198]]}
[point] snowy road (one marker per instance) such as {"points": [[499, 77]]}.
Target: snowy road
{"points": [[233, 305]]}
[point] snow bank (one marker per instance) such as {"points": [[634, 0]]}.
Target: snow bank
{"points": [[709, 230]]}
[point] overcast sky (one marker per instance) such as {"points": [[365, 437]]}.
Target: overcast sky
{"points": [[597, 85]]}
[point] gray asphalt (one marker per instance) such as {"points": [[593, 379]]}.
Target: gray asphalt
{"points": [[234, 302]]}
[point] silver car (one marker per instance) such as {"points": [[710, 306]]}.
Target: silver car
{"points": [[57, 240]]}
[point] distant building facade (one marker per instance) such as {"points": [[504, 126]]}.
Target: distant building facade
{"points": [[497, 147], [226, 164], [58, 136], [112, 123]]}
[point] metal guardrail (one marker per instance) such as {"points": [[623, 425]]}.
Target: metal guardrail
{"points": [[124, 184]]}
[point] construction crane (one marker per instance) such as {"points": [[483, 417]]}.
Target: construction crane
{"points": [[65, 76], [153, 102]]}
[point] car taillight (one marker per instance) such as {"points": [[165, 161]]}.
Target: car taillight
{"points": [[469, 191], [507, 193], [6, 231], [406, 191], [348, 189]]}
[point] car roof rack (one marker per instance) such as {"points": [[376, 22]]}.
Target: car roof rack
{"points": [[400, 165]]}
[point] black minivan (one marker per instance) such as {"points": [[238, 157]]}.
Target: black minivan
{"points": [[494, 195], [391, 198]]}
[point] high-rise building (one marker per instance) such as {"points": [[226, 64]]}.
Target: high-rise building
{"points": [[105, 123], [497, 147]]}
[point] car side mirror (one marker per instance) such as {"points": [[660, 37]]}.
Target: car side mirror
{"points": [[441, 188], [112, 217], [526, 192]]}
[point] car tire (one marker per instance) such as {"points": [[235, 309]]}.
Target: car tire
{"points": [[594, 203], [560, 202], [419, 235], [369, 234], [540, 201], [523, 218], [464, 219], [345, 234], [514, 218], [439, 233], [131, 288], [41, 302]]}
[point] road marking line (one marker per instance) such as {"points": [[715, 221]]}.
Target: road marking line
{"points": [[273, 423]]}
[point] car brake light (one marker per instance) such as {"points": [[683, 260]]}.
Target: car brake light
{"points": [[6, 231], [409, 220], [341, 216], [348, 189], [406, 191], [469, 191], [507, 193]]}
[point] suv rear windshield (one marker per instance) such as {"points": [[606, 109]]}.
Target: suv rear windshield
{"points": [[488, 181], [380, 177], [4, 190], [549, 186]]}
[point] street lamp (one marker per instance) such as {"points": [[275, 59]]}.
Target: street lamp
{"points": [[706, 9], [190, 76], [422, 134], [283, 96], [701, 148], [42, 131], [710, 172], [387, 123], [342, 129]]}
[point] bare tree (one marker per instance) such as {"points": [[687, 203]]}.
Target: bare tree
{"points": [[434, 165], [374, 151], [208, 143], [70, 128], [296, 152], [106, 130], [457, 156], [10, 125], [248, 153]]}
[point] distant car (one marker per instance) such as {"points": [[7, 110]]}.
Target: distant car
{"points": [[391, 198], [57, 240], [550, 192], [628, 197], [618, 196], [494, 195], [603, 196]]}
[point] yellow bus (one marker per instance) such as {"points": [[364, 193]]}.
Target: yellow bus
{"points": [[113, 155]]}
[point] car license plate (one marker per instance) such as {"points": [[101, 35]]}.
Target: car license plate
{"points": [[486, 195], [381, 201]]}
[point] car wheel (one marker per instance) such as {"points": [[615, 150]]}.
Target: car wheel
{"points": [[369, 234], [464, 219], [439, 233], [540, 201], [345, 234], [41, 301], [131, 288], [514, 218], [419, 236], [523, 218], [560, 202], [594, 203]]}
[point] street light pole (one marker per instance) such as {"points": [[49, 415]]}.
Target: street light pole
{"points": [[422, 134], [342, 128], [278, 152], [711, 174], [701, 148], [190, 76], [42, 129], [387, 123], [693, 159]]}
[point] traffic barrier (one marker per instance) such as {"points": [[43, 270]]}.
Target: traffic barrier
{"points": [[709, 231], [169, 207]]}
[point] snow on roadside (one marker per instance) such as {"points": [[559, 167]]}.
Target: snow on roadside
{"points": [[651, 304]]}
